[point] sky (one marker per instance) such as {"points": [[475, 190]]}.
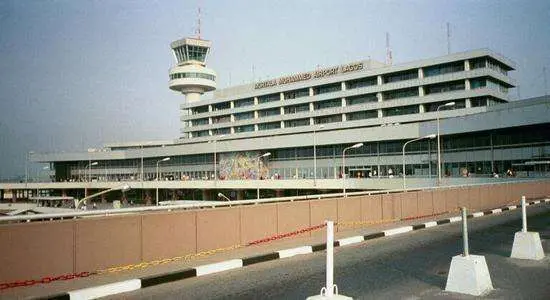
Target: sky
{"points": [[77, 74]]}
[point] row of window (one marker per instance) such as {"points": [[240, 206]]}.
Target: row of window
{"points": [[192, 75], [508, 138]]}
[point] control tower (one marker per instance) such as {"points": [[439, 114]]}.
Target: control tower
{"points": [[190, 76]]}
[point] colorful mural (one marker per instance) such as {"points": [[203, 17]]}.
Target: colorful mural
{"points": [[235, 166]]}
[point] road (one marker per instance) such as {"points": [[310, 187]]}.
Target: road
{"points": [[409, 266]]}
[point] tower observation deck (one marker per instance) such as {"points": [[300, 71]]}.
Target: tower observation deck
{"points": [[190, 76]]}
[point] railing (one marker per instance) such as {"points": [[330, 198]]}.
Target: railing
{"points": [[111, 212]]}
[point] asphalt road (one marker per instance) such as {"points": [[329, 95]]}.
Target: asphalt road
{"points": [[409, 266]]}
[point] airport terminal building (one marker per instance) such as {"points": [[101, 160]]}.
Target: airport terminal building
{"points": [[297, 126]]}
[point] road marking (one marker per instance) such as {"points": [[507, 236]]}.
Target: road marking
{"points": [[498, 210], [219, 267], [351, 240], [430, 224], [106, 290], [294, 251], [398, 230], [477, 214]]}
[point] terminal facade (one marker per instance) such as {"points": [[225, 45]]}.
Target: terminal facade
{"points": [[269, 129]]}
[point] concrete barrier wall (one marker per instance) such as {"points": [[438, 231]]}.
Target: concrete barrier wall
{"points": [[34, 250]]}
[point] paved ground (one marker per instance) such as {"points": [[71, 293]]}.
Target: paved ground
{"points": [[409, 266], [281, 268]]}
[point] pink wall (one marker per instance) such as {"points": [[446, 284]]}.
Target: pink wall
{"points": [[33, 250]]}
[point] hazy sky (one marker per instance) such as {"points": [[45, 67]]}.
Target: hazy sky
{"points": [[76, 74]]}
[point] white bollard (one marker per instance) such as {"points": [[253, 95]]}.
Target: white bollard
{"points": [[527, 245], [328, 291], [468, 274]]}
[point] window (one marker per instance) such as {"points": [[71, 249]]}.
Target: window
{"points": [[269, 126], [221, 131], [221, 106], [200, 133], [244, 128], [361, 99], [221, 119], [297, 123], [361, 115], [328, 119], [296, 108], [402, 93], [403, 110], [361, 82], [199, 109], [400, 76], [192, 75], [269, 98], [444, 69], [478, 83], [327, 104], [296, 94], [444, 87], [327, 88], [244, 116], [244, 102], [477, 102], [198, 122], [269, 112], [478, 63]]}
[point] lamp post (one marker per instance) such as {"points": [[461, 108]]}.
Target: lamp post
{"points": [[224, 197], [315, 155], [83, 200], [448, 104], [344, 165], [89, 167], [215, 161], [431, 136], [157, 184], [258, 164], [27, 166], [141, 175]]}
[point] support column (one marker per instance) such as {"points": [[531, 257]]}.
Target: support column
{"points": [[279, 193], [103, 198], [206, 195], [240, 194], [124, 198], [13, 196], [147, 198]]}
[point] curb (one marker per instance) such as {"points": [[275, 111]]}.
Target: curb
{"points": [[148, 281]]}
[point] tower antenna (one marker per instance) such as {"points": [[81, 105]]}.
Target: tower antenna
{"points": [[198, 30], [389, 59], [448, 38]]}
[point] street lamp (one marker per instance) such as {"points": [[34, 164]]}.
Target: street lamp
{"points": [[448, 104], [431, 136], [344, 165], [157, 191], [83, 200], [224, 197], [315, 156], [215, 162], [89, 167], [148, 143], [258, 175], [27, 166]]}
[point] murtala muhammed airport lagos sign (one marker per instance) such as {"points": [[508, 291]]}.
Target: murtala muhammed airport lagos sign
{"points": [[310, 75]]}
